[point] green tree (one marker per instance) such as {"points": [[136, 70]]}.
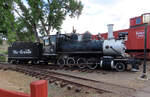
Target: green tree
{"points": [[31, 17], [7, 20]]}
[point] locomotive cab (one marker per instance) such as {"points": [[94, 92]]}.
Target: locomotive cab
{"points": [[49, 45]]}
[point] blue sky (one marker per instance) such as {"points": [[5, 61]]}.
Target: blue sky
{"points": [[98, 13]]}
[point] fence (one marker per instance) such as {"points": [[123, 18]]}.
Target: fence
{"points": [[37, 88]]}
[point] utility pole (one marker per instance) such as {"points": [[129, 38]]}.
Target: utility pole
{"points": [[144, 76]]}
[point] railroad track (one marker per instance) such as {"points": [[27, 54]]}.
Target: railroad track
{"points": [[65, 79]]}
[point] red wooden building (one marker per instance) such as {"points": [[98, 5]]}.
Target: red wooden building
{"points": [[135, 38]]}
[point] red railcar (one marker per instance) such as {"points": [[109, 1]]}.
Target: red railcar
{"points": [[135, 38]]}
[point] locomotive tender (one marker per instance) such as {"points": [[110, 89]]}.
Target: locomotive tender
{"points": [[74, 50]]}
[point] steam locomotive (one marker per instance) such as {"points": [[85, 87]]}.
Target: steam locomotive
{"points": [[74, 50]]}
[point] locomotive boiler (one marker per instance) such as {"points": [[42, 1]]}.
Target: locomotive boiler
{"points": [[78, 50]]}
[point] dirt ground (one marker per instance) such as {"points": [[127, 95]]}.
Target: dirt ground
{"points": [[12, 80], [15, 81], [55, 91]]}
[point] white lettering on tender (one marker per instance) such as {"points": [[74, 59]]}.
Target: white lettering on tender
{"points": [[25, 51]]}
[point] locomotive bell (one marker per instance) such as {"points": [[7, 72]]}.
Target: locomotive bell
{"points": [[110, 31]]}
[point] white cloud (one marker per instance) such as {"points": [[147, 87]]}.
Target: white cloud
{"points": [[96, 15]]}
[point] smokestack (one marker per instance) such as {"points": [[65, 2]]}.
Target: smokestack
{"points": [[110, 31]]}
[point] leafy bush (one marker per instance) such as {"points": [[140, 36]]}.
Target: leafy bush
{"points": [[2, 58]]}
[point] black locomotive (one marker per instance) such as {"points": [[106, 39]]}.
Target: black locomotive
{"points": [[72, 50]]}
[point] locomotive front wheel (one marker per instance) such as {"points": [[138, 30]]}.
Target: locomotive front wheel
{"points": [[92, 63], [61, 62], [120, 67], [81, 63]]}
